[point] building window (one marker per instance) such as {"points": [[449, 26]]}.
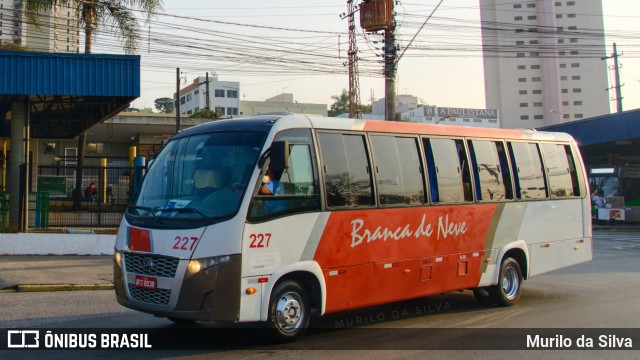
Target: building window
{"points": [[537, 104], [196, 92], [517, 6], [560, 41], [573, 40], [517, 18], [182, 100], [578, 116], [220, 110], [565, 91], [560, 29], [574, 52], [522, 67], [519, 42], [531, 17], [571, 16], [575, 65], [533, 30], [188, 97], [232, 111], [558, 16], [537, 92], [535, 79], [571, 3], [563, 78], [577, 90], [577, 103], [524, 104], [538, 117], [520, 55], [563, 65], [562, 53], [519, 30], [565, 103], [575, 77], [219, 93], [522, 79], [533, 42], [523, 92], [565, 116], [524, 117], [558, 3], [232, 94], [573, 27], [534, 54], [534, 67], [532, 5]]}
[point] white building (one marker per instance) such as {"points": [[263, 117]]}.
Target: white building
{"points": [[57, 29], [404, 103], [542, 60], [223, 97], [281, 102], [488, 118]]}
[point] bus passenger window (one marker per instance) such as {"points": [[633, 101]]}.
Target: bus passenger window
{"points": [[398, 170], [449, 176], [559, 166], [527, 170], [347, 175], [487, 168]]}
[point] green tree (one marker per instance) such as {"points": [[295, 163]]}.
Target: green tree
{"points": [[164, 105], [341, 105], [116, 14]]}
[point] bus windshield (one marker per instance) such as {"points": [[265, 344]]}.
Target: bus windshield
{"points": [[199, 177]]}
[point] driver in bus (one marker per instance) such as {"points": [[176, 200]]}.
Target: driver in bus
{"points": [[269, 183]]}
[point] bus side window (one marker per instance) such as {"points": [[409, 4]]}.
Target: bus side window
{"points": [[449, 176], [527, 171], [491, 170], [295, 189], [347, 172]]}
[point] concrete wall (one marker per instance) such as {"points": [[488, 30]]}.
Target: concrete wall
{"points": [[56, 244]]}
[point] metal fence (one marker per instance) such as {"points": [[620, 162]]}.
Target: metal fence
{"points": [[101, 208]]}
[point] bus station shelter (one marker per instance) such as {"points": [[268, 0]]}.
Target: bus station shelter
{"points": [[607, 140], [56, 96]]}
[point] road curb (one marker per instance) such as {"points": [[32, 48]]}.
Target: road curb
{"points": [[62, 287]]}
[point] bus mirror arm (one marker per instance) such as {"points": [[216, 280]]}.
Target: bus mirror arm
{"points": [[279, 155]]}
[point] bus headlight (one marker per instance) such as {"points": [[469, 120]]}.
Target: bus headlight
{"points": [[117, 256], [205, 263]]}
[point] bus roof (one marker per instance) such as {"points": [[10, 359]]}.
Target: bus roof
{"points": [[264, 123]]}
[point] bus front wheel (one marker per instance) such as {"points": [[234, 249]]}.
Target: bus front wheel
{"points": [[507, 291], [288, 312]]}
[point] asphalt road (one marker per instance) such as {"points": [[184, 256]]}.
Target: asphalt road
{"points": [[599, 297]]}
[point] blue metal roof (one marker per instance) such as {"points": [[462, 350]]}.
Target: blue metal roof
{"points": [[602, 129], [25, 73]]}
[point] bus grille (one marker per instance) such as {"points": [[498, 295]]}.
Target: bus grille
{"points": [[162, 266], [157, 296]]}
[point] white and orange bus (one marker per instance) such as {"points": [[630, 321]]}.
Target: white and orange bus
{"points": [[358, 213]]}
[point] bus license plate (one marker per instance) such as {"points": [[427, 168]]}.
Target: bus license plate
{"points": [[146, 282]]}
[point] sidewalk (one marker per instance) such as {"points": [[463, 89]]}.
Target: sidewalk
{"points": [[56, 273]]}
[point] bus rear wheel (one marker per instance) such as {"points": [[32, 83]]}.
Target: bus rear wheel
{"points": [[288, 312], [509, 287]]}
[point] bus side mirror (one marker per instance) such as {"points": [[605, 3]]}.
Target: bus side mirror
{"points": [[279, 155]]}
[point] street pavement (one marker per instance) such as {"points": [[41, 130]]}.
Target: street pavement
{"points": [[91, 272]]}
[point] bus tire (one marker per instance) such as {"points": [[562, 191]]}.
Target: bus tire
{"points": [[509, 287], [288, 312]]}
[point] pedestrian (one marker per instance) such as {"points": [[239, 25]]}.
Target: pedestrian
{"points": [[91, 193], [597, 199]]}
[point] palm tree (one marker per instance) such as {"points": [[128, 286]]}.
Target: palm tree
{"points": [[91, 15]]}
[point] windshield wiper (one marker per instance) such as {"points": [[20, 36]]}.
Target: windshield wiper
{"points": [[145, 208], [179, 210]]}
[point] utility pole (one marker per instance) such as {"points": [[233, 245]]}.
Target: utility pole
{"points": [[616, 69], [207, 99], [390, 54], [177, 100], [354, 86]]}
